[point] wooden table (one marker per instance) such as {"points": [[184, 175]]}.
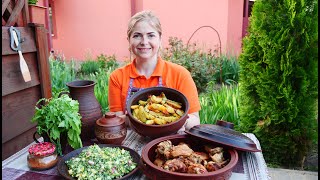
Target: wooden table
{"points": [[250, 165]]}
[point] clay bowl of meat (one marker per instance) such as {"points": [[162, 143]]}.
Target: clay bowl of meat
{"points": [[182, 156], [157, 111]]}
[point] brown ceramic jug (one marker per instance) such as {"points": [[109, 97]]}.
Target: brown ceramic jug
{"points": [[110, 129], [89, 107]]}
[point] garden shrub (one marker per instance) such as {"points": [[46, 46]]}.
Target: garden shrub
{"points": [[89, 66], [61, 72], [279, 78], [106, 62], [202, 66]]}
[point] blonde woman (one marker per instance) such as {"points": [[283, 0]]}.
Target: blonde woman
{"points": [[148, 69]]}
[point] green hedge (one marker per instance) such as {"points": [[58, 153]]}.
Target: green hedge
{"points": [[279, 78]]}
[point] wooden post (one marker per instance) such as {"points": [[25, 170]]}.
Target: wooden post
{"points": [[43, 58]]}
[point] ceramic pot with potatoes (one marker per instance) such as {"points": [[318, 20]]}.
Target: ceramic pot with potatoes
{"points": [[166, 108]]}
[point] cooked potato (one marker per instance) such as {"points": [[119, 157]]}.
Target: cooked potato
{"points": [[157, 110]]}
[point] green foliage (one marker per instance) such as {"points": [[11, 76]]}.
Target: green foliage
{"points": [[203, 66], [34, 2], [90, 66], [220, 103], [229, 70], [101, 88], [279, 78], [58, 116], [196, 62], [106, 62], [61, 72]]}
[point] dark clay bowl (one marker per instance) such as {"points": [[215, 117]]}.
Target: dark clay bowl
{"points": [[63, 168], [155, 131], [153, 172]]}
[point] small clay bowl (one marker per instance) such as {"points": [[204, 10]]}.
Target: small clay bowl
{"points": [[42, 156], [110, 129]]}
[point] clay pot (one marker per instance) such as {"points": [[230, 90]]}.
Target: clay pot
{"points": [[152, 171], [89, 107], [110, 129], [155, 131]]}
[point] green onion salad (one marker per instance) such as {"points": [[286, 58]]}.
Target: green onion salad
{"points": [[101, 163]]}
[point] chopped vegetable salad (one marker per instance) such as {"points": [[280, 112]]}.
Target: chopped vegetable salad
{"points": [[101, 163]]}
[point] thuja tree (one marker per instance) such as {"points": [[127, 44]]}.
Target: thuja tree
{"points": [[279, 78]]}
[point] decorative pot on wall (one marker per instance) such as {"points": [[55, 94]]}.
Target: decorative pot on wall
{"points": [[37, 14]]}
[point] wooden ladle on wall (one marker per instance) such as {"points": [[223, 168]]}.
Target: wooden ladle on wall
{"points": [[23, 65]]}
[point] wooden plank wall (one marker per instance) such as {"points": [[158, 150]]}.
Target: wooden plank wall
{"points": [[18, 97]]}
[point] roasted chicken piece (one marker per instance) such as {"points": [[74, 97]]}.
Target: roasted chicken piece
{"points": [[164, 148], [217, 157], [186, 161], [213, 166], [197, 169], [198, 157], [181, 150], [216, 154], [159, 162], [211, 150], [175, 165]]}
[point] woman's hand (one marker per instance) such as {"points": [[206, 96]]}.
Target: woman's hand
{"points": [[193, 120]]}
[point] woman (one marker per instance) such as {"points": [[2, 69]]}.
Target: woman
{"points": [[148, 69]]}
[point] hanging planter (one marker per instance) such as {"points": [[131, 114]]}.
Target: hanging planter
{"points": [[37, 12]]}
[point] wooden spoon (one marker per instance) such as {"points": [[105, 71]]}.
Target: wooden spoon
{"points": [[23, 65]]}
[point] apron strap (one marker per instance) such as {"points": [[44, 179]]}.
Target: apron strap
{"points": [[137, 89]]}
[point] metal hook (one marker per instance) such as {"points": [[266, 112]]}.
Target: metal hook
{"points": [[12, 44]]}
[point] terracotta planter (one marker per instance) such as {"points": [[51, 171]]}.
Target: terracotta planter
{"points": [[37, 14]]}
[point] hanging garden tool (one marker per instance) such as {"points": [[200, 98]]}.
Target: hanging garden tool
{"points": [[15, 45]]}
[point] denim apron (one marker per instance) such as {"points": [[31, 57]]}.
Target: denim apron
{"points": [[132, 90]]}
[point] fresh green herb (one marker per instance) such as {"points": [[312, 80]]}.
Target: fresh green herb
{"points": [[34, 2], [101, 163], [59, 116]]}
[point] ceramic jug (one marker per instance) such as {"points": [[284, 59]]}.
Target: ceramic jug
{"points": [[89, 107]]}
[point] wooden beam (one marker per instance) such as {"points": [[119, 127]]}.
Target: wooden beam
{"points": [[43, 59], [25, 13]]}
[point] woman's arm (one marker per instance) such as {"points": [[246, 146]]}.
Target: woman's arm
{"points": [[193, 120]]}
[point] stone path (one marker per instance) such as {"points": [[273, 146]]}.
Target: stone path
{"points": [[287, 174]]}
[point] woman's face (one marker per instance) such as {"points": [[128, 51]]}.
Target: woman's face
{"points": [[144, 41]]}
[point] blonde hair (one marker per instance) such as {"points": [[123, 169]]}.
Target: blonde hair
{"points": [[144, 16]]}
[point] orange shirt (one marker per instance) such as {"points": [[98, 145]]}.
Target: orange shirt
{"points": [[173, 76]]}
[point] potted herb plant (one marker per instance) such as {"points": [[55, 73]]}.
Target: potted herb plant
{"points": [[58, 117]]}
